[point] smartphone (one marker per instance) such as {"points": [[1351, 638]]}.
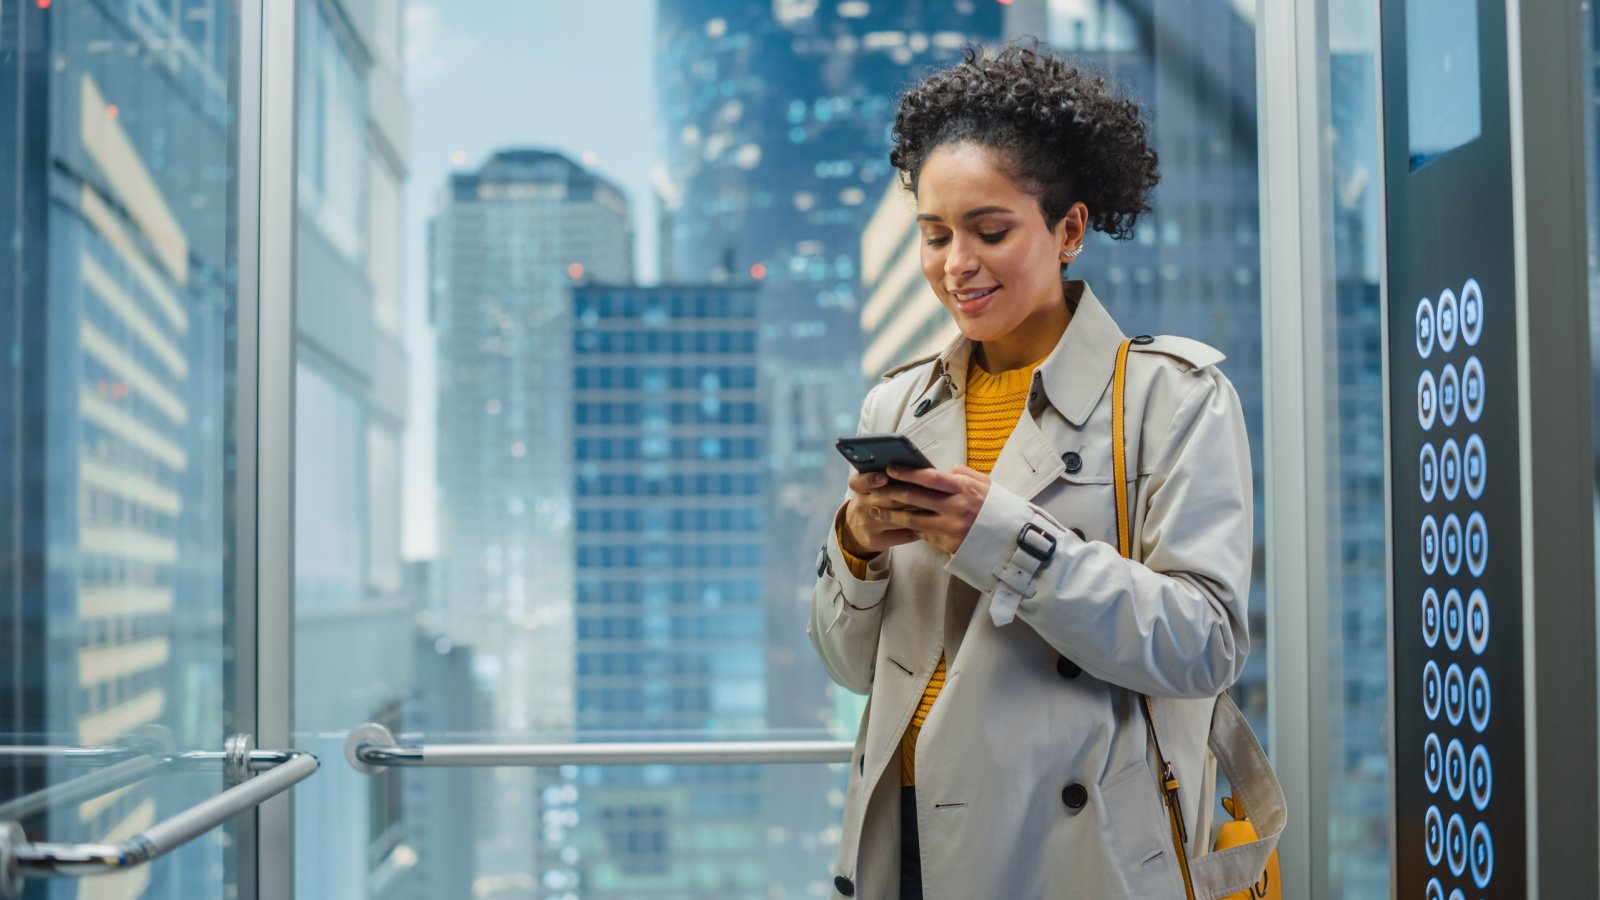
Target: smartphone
{"points": [[877, 452]]}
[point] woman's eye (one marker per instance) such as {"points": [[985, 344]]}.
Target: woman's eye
{"points": [[936, 241], [993, 237]]}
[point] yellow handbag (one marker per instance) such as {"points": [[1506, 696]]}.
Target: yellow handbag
{"points": [[1229, 871]]}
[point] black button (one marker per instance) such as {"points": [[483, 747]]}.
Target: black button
{"points": [[1033, 396], [1144, 339], [1074, 796], [1066, 668], [844, 886], [922, 407], [1079, 533], [822, 562], [1073, 461]]}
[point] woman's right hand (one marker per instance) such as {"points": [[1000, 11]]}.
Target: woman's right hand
{"points": [[865, 532]]}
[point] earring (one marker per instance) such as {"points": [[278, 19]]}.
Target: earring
{"points": [[1070, 255]]}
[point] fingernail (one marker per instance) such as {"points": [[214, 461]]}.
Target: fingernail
{"points": [[878, 480]]}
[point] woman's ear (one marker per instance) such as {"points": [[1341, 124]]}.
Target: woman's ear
{"points": [[1073, 228]]}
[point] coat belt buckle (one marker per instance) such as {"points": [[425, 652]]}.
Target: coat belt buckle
{"points": [[1032, 532]]}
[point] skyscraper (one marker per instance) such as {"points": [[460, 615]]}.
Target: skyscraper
{"points": [[670, 501], [115, 325], [507, 243]]}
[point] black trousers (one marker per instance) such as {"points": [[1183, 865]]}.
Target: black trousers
{"points": [[910, 851]]}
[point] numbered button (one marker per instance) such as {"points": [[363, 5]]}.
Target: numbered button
{"points": [[1472, 389], [1455, 694], [1449, 393], [1430, 617], [1430, 544], [1477, 622], [1482, 856], [1432, 689], [1450, 469], [1450, 541], [1475, 466], [1447, 323], [1427, 400], [1428, 472], [1455, 619], [1480, 777], [1424, 328], [1432, 763], [1455, 844], [1471, 312], [1478, 699], [1477, 544], [1455, 769], [1433, 835]]}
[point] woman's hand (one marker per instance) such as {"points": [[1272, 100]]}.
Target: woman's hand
{"points": [[937, 506], [866, 532]]}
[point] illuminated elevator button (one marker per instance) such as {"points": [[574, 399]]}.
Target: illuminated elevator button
{"points": [[1430, 617], [1479, 700], [1455, 619], [1475, 465], [1478, 622], [1430, 544], [1482, 855], [1455, 769], [1432, 689], [1455, 694], [1471, 312], [1427, 401], [1433, 835], [1432, 763], [1428, 472], [1480, 777], [1447, 324], [1449, 394], [1455, 844], [1450, 469], [1472, 389], [1424, 327], [1450, 541], [1477, 543]]}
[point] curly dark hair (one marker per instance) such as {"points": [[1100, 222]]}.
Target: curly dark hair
{"points": [[1066, 134]]}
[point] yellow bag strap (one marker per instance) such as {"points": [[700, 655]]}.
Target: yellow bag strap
{"points": [[1119, 471]]}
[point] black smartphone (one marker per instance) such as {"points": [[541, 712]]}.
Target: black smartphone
{"points": [[877, 452]]}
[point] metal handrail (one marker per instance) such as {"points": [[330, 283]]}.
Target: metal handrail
{"points": [[371, 748], [20, 858]]}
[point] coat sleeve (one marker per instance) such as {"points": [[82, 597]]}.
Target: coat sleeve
{"points": [[846, 611], [1173, 625]]}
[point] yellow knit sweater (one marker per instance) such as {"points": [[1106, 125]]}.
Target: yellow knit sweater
{"points": [[994, 404]]}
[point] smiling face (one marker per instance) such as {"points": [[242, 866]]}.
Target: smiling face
{"points": [[990, 257]]}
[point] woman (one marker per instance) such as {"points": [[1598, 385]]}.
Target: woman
{"points": [[983, 603]]}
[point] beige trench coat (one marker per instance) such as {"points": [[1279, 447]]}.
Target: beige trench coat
{"points": [[1034, 774]]}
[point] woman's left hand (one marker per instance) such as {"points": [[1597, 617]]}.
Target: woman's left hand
{"points": [[940, 504]]}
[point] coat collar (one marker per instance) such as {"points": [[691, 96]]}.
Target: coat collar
{"points": [[1075, 374]]}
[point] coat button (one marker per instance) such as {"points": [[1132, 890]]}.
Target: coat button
{"points": [[1074, 796], [1073, 461], [922, 408], [1144, 339], [1066, 668], [844, 886]]}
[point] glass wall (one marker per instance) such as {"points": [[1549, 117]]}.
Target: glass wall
{"points": [[117, 454], [607, 306]]}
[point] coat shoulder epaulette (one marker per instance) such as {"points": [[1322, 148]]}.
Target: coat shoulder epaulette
{"points": [[909, 366], [1189, 351]]}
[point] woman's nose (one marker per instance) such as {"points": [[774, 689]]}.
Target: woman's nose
{"points": [[960, 261]]}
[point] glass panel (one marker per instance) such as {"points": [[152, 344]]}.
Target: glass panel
{"points": [[631, 273], [117, 324], [1357, 621]]}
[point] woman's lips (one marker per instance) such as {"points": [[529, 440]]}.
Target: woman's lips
{"points": [[973, 301]]}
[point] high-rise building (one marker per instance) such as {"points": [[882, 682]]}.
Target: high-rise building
{"points": [[670, 489], [113, 471], [777, 118], [507, 243], [355, 628], [901, 319]]}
